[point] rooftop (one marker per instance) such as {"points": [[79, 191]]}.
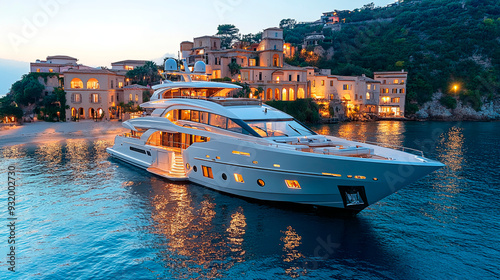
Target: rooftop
{"points": [[130, 61], [91, 71], [61, 57]]}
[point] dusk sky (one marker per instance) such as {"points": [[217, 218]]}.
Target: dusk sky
{"points": [[101, 32]]}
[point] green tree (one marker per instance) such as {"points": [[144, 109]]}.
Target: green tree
{"points": [[27, 90], [9, 109], [234, 68], [148, 74], [288, 23], [228, 34], [54, 106]]}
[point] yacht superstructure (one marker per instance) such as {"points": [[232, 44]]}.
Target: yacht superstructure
{"points": [[195, 133]]}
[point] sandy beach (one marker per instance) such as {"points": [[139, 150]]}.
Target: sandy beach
{"points": [[48, 132]]}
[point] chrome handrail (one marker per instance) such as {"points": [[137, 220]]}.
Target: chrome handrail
{"points": [[392, 146]]}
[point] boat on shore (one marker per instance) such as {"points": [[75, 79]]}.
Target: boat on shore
{"points": [[193, 131]]}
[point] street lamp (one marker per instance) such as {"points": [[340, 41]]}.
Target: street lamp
{"points": [[455, 88]]}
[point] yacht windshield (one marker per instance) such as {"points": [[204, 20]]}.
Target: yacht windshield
{"points": [[279, 128]]}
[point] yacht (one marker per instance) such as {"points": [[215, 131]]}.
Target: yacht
{"points": [[193, 131]]}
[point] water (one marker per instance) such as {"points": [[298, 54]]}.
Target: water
{"points": [[84, 215]]}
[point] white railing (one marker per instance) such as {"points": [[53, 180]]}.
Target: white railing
{"points": [[395, 147]]}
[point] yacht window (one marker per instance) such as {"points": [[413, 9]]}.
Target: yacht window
{"points": [[232, 126], [218, 121], [185, 115], [154, 139], [195, 116], [279, 128], [173, 115], [204, 117], [207, 172]]}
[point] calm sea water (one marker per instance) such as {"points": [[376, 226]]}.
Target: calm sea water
{"points": [[84, 215]]}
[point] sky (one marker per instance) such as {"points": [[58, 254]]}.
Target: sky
{"points": [[99, 32]]}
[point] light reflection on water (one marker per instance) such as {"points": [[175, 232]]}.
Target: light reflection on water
{"points": [[87, 215]]}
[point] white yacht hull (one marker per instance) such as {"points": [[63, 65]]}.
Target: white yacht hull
{"points": [[331, 181]]}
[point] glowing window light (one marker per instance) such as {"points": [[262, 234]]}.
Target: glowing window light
{"points": [[349, 176], [241, 153], [292, 184], [277, 165], [207, 172], [238, 178], [331, 174], [360, 177]]}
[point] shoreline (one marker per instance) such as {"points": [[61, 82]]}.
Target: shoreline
{"points": [[39, 132]]}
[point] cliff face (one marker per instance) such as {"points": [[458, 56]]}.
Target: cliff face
{"points": [[434, 110]]}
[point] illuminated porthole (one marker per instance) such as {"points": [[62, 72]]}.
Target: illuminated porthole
{"points": [[261, 182], [375, 179], [195, 168], [188, 166], [224, 176]]}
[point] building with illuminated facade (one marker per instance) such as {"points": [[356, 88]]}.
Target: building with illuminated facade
{"points": [[91, 93], [392, 93], [261, 65], [126, 65], [358, 94]]}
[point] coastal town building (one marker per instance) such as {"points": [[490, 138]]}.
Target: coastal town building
{"points": [[91, 93], [358, 94], [126, 65], [56, 64], [330, 18], [261, 66], [392, 93]]}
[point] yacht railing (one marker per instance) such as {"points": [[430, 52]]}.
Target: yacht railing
{"points": [[391, 146]]}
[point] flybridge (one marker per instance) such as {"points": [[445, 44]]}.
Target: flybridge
{"points": [[190, 84]]}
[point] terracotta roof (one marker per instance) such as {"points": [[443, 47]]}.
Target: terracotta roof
{"points": [[130, 61], [207, 36], [273, 28], [61, 57]]}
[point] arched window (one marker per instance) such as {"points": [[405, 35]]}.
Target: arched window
{"points": [[301, 94], [81, 113], [277, 94], [73, 112], [291, 94], [76, 83], [269, 94], [367, 96], [92, 84], [284, 97]]}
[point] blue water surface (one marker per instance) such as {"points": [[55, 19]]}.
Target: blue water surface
{"points": [[83, 215]]}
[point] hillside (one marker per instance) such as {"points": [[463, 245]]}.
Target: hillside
{"points": [[441, 43]]}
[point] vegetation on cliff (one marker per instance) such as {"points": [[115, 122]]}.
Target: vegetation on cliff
{"points": [[304, 110], [441, 43]]}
